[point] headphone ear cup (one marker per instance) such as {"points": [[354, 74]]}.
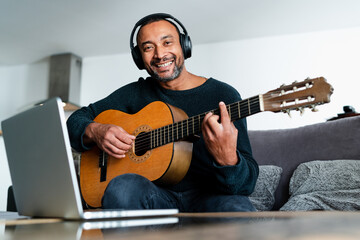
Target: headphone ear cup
{"points": [[136, 55], [186, 45]]}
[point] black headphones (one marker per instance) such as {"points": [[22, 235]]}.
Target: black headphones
{"points": [[185, 41]]}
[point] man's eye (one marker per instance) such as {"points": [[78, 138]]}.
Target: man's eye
{"points": [[147, 48]]}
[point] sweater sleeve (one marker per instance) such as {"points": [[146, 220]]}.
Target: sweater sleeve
{"points": [[79, 120], [120, 100], [241, 178], [76, 124]]}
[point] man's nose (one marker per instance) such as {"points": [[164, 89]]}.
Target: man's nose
{"points": [[160, 52]]}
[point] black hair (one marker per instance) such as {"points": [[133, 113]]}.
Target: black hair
{"points": [[156, 19]]}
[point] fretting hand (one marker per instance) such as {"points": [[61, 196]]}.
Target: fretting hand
{"points": [[221, 137]]}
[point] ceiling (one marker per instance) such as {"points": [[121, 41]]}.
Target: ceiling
{"points": [[31, 30]]}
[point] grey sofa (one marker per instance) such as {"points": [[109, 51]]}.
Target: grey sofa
{"points": [[288, 148], [281, 152]]}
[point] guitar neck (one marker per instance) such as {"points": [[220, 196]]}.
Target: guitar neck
{"points": [[242, 108], [192, 126]]}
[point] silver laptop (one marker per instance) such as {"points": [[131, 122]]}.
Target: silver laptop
{"points": [[42, 168]]}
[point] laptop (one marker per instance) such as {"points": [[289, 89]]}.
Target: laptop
{"points": [[42, 167]]}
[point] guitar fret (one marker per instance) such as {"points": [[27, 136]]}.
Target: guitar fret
{"points": [[158, 138], [229, 110], [154, 138], [162, 137], [199, 121], [187, 127], [168, 134], [151, 142], [182, 130], [173, 132]]}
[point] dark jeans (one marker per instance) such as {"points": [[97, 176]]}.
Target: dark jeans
{"points": [[132, 191]]}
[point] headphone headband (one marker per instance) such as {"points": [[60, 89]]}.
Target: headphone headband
{"points": [[153, 16], [185, 41]]}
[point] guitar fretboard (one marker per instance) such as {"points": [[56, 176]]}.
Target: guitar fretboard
{"points": [[192, 126]]}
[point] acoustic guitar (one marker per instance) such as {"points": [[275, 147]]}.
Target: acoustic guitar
{"points": [[162, 151]]}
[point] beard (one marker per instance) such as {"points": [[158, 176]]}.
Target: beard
{"points": [[178, 67]]}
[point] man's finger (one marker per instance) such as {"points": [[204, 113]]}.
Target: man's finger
{"points": [[124, 136], [224, 113]]}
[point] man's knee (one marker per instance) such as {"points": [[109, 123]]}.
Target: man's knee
{"points": [[126, 191]]}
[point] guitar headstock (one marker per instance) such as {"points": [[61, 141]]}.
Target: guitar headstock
{"points": [[299, 95]]}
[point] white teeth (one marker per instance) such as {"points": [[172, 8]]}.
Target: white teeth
{"points": [[165, 64]]}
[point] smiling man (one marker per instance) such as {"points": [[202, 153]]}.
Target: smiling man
{"points": [[162, 58], [222, 172], [161, 51]]}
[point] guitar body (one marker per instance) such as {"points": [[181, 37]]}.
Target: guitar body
{"points": [[167, 164]]}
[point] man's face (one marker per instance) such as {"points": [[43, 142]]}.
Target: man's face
{"points": [[161, 51]]}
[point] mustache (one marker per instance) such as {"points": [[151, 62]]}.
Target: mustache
{"points": [[164, 59]]}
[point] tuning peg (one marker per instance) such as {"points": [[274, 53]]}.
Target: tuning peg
{"points": [[313, 108], [288, 112], [301, 109]]}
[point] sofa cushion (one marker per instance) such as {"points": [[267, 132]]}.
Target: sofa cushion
{"points": [[287, 148], [263, 197], [325, 185]]}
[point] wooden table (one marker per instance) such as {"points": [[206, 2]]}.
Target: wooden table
{"points": [[256, 225]]}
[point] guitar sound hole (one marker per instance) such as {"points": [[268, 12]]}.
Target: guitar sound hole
{"points": [[141, 144]]}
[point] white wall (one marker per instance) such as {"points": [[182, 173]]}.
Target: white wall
{"points": [[252, 66], [255, 66], [21, 86]]}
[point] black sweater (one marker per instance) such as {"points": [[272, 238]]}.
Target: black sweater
{"points": [[203, 173]]}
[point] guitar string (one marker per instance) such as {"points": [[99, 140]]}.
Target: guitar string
{"points": [[201, 116], [164, 131], [244, 103], [164, 134], [144, 140]]}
